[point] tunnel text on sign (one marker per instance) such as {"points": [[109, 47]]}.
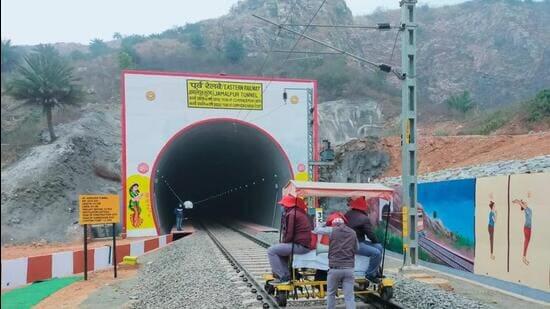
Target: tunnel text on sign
{"points": [[99, 209], [224, 95]]}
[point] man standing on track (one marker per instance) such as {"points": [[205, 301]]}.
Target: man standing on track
{"points": [[341, 258], [179, 216], [296, 231], [359, 221]]}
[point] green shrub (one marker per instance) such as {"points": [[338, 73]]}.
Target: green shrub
{"points": [[491, 123], [539, 107], [461, 102], [125, 61]]}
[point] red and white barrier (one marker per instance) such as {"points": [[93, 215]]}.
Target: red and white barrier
{"points": [[20, 271]]}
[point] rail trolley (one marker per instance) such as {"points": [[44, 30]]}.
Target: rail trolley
{"points": [[309, 271]]}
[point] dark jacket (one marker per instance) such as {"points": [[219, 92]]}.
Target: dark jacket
{"points": [[360, 223], [342, 247], [178, 212], [296, 227]]}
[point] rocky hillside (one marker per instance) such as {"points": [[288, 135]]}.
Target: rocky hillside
{"points": [[40, 191], [498, 50]]}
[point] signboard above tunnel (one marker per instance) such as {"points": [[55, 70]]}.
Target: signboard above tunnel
{"points": [[215, 140]]}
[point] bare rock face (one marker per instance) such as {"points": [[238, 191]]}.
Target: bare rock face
{"points": [[361, 160], [499, 51], [40, 191], [344, 120]]}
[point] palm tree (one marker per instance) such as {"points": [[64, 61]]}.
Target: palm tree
{"points": [[45, 79], [9, 55]]}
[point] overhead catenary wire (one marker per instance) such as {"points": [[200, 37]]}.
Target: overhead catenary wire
{"points": [[295, 43], [301, 35], [382, 66], [381, 26], [272, 45], [308, 52], [394, 45]]}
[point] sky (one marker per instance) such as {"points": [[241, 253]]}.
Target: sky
{"points": [[50, 21]]}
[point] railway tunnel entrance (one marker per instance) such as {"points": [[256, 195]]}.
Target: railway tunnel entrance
{"points": [[229, 169]]}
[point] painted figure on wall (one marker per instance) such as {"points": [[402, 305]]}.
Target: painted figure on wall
{"points": [[528, 213], [491, 228], [135, 197]]}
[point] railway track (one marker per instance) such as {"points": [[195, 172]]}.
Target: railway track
{"points": [[445, 255], [248, 257]]}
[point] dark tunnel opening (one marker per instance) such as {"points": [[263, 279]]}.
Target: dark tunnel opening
{"points": [[228, 168]]}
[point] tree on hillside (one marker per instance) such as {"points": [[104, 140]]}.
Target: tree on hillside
{"points": [[45, 79], [98, 47], [117, 36], [461, 102], [197, 41], [234, 51], [9, 56], [125, 60]]}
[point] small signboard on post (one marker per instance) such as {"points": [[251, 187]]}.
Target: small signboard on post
{"points": [[98, 209]]}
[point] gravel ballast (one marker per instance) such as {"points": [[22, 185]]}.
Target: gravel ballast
{"points": [[413, 294], [190, 273], [539, 164]]}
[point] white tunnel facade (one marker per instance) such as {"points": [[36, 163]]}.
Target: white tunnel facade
{"points": [[226, 143]]}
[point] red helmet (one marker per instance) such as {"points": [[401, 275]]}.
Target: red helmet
{"points": [[358, 203], [288, 201], [336, 215]]}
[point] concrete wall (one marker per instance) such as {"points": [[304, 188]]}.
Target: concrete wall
{"points": [[521, 237], [20, 271], [455, 226]]}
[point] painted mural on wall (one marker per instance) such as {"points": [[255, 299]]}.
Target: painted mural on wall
{"points": [[139, 214], [448, 216], [513, 229], [445, 225]]}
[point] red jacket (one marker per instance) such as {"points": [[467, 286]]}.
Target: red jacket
{"points": [[296, 227]]}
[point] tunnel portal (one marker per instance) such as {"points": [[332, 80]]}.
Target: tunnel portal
{"points": [[229, 169]]}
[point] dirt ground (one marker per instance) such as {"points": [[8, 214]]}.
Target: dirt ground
{"points": [[37, 248], [444, 152], [73, 295]]}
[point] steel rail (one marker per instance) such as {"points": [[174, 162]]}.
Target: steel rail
{"points": [[267, 300]]}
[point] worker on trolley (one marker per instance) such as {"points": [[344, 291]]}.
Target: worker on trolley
{"points": [[296, 238], [369, 245], [343, 245]]}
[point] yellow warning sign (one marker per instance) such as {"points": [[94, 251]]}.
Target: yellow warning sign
{"points": [[99, 209], [405, 211], [224, 95]]}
